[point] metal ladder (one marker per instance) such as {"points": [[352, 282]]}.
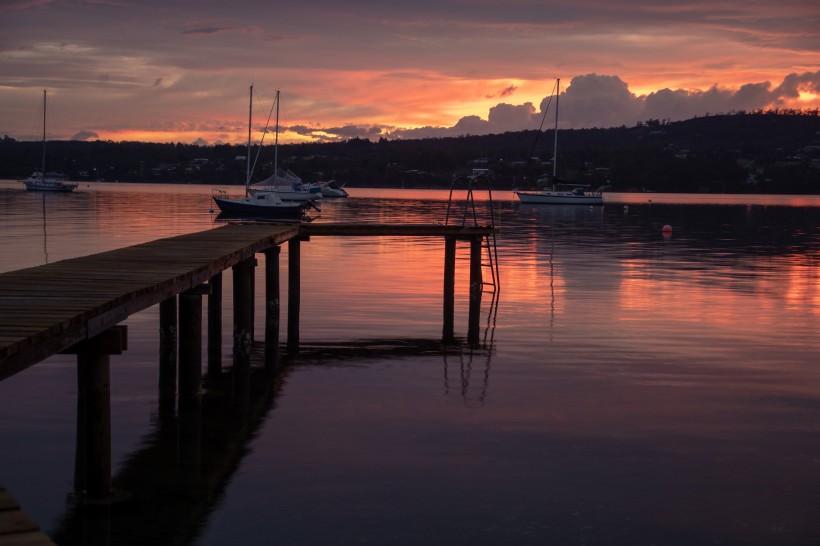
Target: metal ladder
{"points": [[473, 216]]}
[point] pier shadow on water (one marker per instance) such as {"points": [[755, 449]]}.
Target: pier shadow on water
{"points": [[166, 491]]}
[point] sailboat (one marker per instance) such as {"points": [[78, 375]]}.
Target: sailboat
{"points": [[265, 204], [554, 196], [48, 181], [285, 183]]}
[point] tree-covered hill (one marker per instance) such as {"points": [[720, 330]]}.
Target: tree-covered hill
{"points": [[776, 152]]}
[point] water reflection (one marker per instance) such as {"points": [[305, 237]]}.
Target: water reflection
{"points": [[621, 365], [45, 232], [177, 477]]}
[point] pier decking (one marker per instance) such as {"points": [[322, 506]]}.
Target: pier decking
{"points": [[48, 309], [16, 528]]}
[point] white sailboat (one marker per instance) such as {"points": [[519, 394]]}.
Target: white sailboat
{"points": [[554, 196], [48, 181], [286, 184], [263, 204]]}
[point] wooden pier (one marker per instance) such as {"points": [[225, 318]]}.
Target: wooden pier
{"points": [[75, 306], [48, 309], [16, 528]]}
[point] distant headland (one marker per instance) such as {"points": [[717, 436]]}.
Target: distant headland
{"points": [[760, 152]]}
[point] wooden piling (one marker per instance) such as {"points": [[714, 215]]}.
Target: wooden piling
{"points": [[474, 312], [92, 465], [272, 308], [190, 344], [215, 326], [294, 294], [243, 275], [448, 322], [167, 354]]}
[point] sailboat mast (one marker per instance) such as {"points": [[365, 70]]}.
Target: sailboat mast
{"points": [[555, 144], [43, 169], [276, 140], [250, 121]]}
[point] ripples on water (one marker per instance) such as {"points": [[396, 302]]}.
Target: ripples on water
{"points": [[633, 388]]}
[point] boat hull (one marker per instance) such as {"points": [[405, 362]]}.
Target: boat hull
{"points": [[334, 192], [558, 198], [332, 189], [246, 208]]}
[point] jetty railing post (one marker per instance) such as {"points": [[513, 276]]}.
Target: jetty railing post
{"points": [[243, 275], [167, 354], [92, 464], [476, 282], [448, 329], [272, 308], [294, 294], [215, 326]]}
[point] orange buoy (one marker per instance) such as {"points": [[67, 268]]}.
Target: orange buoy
{"points": [[667, 229]]}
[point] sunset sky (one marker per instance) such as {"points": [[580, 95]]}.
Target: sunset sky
{"points": [[179, 70]]}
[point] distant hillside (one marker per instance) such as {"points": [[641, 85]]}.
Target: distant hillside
{"points": [[772, 152]]}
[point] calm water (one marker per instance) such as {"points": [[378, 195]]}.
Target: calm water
{"points": [[630, 387]]}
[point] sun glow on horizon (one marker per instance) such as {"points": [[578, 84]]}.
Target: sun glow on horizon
{"points": [[809, 98]]}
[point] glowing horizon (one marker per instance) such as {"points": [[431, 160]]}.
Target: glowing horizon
{"points": [[155, 72]]}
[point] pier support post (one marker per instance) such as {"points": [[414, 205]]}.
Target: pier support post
{"points": [[448, 329], [190, 343], [215, 326], [272, 308], [167, 355], [294, 294], [476, 285], [190, 376], [243, 275], [92, 464]]}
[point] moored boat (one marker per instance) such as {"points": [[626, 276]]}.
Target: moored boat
{"points": [[553, 195], [263, 205], [285, 183], [48, 181], [557, 197], [266, 205]]}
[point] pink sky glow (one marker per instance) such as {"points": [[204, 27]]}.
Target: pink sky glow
{"points": [[179, 71]]}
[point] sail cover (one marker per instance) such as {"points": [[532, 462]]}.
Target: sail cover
{"points": [[281, 178]]}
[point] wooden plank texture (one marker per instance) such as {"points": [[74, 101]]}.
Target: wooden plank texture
{"points": [[47, 309], [17, 528]]}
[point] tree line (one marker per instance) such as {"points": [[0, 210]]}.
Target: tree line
{"points": [[773, 151]]}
